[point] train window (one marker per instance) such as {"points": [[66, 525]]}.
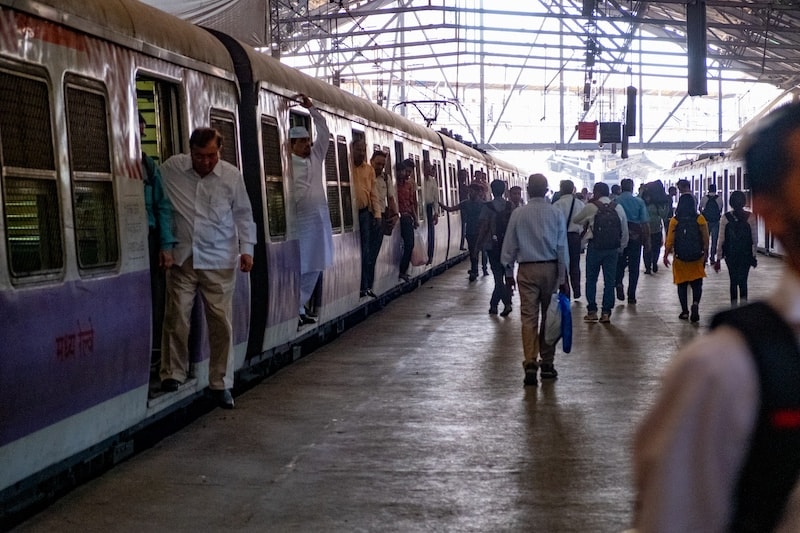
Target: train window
{"points": [[344, 180], [30, 197], [332, 186], [398, 152], [157, 102], [92, 187], [224, 123], [273, 178]]}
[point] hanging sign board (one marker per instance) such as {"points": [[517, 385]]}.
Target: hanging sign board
{"points": [[587, 131]]}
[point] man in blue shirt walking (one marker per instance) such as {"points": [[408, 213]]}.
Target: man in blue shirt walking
{"points": [[638, 237]]}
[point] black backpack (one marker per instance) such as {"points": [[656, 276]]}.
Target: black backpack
{"points": [[607, 227], [688, 241], [738, 244], [711, 212], [498, 224], [772, 464]]}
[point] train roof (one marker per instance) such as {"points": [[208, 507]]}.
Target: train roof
{"points": [[138, 26], [289, 81], [141, 27]]}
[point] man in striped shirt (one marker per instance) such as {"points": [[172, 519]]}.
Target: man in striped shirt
{"points": [[536, 238]]}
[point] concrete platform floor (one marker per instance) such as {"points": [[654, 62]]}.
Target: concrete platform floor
{"points": [[416, 420]]}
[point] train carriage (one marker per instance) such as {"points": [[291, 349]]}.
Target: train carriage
{"points": [[727, 172], [76, 371]]}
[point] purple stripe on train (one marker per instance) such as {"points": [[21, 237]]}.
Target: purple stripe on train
{"points": [[69, 348]]}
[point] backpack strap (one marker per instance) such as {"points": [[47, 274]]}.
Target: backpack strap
{"points": [[772, 464], [571, 208]]}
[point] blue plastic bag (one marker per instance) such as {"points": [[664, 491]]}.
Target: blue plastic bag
{"points": [[566, 322]]}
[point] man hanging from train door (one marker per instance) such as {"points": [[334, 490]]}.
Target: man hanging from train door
{"points": [[314, 231], [369, 211], [215, 233], [431, 195]]}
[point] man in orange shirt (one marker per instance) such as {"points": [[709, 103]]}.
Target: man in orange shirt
{"points": [[369, 209]]}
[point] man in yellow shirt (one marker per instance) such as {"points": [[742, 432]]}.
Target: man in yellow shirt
{"points": [[369, 208]]}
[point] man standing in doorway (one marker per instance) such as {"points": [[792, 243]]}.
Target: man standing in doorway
{"points": [[215, 231], [314, 232], [384, 188], [369, 210], [431, 192]]}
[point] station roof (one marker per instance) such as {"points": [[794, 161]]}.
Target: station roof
{"points": [[759, 38], [521, 57]]}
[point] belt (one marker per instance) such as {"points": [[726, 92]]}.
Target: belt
{"points": [[538, 262]]}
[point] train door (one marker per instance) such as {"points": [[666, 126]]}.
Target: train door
{"points": [[159, 137]]}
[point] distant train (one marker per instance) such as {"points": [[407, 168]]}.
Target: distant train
{"points": [[75, 308], [727, 172]]}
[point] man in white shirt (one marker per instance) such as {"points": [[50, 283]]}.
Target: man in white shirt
{"points": [[431, 194], [385, 191], [570, 205], [692, 449], [215, 233], [314, 232], [536, 238]]}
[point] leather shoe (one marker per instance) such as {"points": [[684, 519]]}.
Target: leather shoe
{"points": [[224, 398], [370, 293], [506, 311], [170, 385]]}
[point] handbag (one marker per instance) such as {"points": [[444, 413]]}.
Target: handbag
{"points": [[558, 322], [552, 322], [419, 254]]}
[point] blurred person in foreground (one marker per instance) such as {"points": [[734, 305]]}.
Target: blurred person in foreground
{"points": [[717, 452]]}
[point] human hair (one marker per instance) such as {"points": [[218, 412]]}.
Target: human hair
{"points": [[737, 200], [498, 187], [686, 206], [537, 185], [515, 188], [377, 153], [684, 185], [626, 184], [712, 187], [600, 189], [202, 136], [566, 187], [767, 153]]}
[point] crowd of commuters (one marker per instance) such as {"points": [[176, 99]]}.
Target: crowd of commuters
{"points": [[705, 458]]}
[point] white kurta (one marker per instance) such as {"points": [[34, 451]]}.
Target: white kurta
{"points": [[314, 230]]}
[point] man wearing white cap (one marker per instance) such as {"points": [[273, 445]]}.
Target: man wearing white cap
{"points": [[314, 231]]}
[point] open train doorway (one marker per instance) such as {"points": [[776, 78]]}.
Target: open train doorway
{"points": [[159, 138]]}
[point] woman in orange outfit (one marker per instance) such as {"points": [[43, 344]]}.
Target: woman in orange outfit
{"points": [[687, 272]]}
